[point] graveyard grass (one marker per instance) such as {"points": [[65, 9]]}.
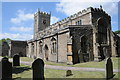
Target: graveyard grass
{"points": [[51, 73], [27, 59], [24, 71], [93, 64]]}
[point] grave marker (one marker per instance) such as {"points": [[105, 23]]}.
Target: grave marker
{"points": [[109, 69], [38, 69], [16, 60], [6, 66]]}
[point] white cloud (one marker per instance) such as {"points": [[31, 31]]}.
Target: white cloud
{"points": [[21, 29], [21, 16], [54, 19], [70, 7], [17, 36]]}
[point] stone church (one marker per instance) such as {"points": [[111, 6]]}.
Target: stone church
{"points": [[81, 37]]}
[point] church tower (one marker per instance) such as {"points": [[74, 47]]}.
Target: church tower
{"points": [[41, 21]]}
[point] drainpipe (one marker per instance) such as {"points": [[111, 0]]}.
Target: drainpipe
{"points": [[57, 47]]}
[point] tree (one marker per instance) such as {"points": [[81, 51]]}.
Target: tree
{"points": [[5, 40], [117, 32]]}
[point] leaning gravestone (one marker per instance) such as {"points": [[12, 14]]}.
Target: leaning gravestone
{"points": [[6, 73], [109, 69], [38, 69], [16, 60]]}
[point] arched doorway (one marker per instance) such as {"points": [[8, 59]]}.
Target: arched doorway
{"points": [[84, 49], [46, 52], [102, 37]]}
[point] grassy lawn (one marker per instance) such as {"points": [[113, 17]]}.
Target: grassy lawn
{"points": [[51, 73], [26, 59], [23, 71], [26, 72], [94, 64], [101, 64]]}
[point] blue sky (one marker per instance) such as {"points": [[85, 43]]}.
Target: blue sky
{"points": [[119, 16], [17, 17]]}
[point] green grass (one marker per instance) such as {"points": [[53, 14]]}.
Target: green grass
{"points": [[51, 73], [26, 59], [22, 71], [101, 64], [91, 64]]}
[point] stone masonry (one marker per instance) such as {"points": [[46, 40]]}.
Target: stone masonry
{"points": [[82, 37]]}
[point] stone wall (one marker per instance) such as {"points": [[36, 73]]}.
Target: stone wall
{"points": [[77, 33], [17, 47], [62, 47], [4, 51]]}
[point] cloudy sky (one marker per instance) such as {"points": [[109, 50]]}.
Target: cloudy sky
{"points": [[17, 17]]}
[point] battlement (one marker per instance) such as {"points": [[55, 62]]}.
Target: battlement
{"points": [[81, 13], [98, 10], [42, 13]]}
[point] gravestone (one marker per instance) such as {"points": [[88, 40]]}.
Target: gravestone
{"points": [[16, 60], [105, 52], [38, 69], [109, 69], [6, 73], [68, 73]]}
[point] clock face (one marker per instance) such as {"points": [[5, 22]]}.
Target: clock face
{"points": [[44, 21]]}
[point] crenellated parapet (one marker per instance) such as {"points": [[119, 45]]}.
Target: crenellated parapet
{"points": [[80, 13], [42, 13]]}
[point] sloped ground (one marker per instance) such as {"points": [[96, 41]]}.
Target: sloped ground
{"points": [[52, 73], [91, 64], [82, 70], [58, 70]]}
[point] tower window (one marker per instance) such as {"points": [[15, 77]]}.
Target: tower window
{"points": [[79, 22]]}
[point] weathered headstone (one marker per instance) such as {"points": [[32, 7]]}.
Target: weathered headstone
{"points": [[68, 73], [38, 69], [16, 60], [109, 69], [6, 73], [105, 52]]}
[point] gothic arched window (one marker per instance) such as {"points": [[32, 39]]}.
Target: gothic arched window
{"points": [[102, 31], [79, 22], [32, 48], [40, 46], [53, 40], [84, 44]]}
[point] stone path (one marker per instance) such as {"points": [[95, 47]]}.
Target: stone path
{"points": [[71, 68]]}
